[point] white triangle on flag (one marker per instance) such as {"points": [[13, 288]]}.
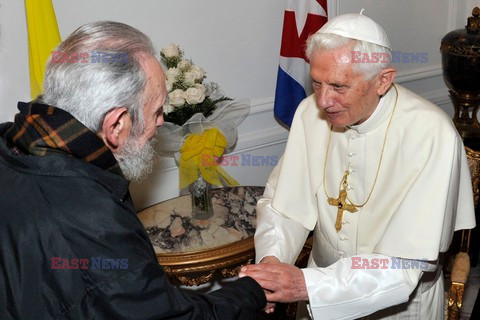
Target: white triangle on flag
{"points": [[302, 8]]}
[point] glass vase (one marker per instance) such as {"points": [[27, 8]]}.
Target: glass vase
{"points": [[202, 207]]}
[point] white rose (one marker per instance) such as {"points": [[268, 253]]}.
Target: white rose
{"points": [[170, 51], [169, 85], [201, 87], [194, 95], [167, 108], [184, 64], [177, 98], [189, 78], [173, 74], [198, 72]]}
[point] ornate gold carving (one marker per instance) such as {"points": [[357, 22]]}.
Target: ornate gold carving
{"points": [[461, 51], [473, 158], [198, 267], [232, 272], [455, 297], [195, 281]]}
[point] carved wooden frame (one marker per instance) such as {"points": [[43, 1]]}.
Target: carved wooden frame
{"points": [[473, 158], [198, 267]]}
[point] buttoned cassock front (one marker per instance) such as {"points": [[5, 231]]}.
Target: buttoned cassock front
{"points": [[422, 194]]}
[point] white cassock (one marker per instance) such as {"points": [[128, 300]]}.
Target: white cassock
{"points": [[422, 195]]}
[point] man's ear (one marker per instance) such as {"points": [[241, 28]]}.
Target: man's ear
{"points": [[115, 127], [387, 76]]}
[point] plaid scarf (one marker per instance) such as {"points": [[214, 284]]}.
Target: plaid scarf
{"points": [[41, 130]]}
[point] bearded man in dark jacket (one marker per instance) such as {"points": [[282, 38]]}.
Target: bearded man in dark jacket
{"points": [[66, 217]]}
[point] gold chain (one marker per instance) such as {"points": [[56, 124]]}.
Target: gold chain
{"points": [[343, 182]]}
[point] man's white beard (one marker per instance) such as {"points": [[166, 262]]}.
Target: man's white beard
{"points": [[136, 161]]}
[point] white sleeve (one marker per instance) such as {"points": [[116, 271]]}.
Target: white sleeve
{"points": [[276, 235], [348, 290]]}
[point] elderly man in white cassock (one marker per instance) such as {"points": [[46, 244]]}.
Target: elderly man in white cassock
{"points": [[380, 176]]}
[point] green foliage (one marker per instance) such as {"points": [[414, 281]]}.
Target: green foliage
{"points": [[180, 115]]}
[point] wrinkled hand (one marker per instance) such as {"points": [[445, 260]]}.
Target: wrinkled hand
{"points": [[282, 282], [270, 308]]}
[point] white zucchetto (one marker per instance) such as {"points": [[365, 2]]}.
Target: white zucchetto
{"points": [[356, 26]]}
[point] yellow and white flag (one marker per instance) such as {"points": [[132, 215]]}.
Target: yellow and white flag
{"points": [[43, 37]]}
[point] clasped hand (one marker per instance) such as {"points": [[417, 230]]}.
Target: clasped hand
{"points": [[282, 282]]}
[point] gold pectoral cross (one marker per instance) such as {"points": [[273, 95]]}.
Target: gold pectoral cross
{"points": [[341, 203]]}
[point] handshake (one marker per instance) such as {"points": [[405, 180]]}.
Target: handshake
{"points": [[282, 282]]}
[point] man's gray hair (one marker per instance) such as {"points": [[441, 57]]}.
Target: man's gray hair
{"points": [[319, 42], [89, 89]]}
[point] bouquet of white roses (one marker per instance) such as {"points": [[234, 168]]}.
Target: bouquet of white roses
{"points": [[201, 123], [187, 94]]}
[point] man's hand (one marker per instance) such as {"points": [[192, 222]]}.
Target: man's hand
{"points": [[282, 282]]}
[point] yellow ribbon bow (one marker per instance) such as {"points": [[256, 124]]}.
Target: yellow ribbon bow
{"points": [[199, 154]]}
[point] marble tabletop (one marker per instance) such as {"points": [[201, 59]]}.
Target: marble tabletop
{"points": [[172, 229]]}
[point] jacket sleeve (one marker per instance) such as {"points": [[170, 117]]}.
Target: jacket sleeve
{"points": [[144, 293]]}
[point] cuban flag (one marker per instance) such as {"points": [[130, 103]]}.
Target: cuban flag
{"points": [[301, 19]]}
